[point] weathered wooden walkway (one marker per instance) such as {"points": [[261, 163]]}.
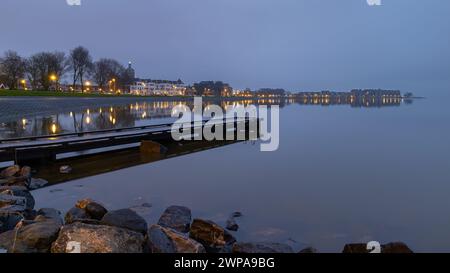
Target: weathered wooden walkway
{"points": [[49, 146]]}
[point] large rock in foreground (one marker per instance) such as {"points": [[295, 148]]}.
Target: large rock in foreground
{"points": [[98, 239], [177, 218], [166, 240], [7, 239], [261, 248], [125, 218], [213, 237], [36, 237]]}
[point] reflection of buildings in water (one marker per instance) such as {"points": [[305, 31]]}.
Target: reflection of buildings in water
{"points": [[355, 98], [111, 117]]}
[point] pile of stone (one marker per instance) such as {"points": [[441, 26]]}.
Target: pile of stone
{"points": [[89, 227], [16, 201]]}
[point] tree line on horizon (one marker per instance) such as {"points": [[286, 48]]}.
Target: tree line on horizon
{"points": [[45, 69]]}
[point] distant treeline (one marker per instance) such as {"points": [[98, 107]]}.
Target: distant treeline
{"points": [[44, 70]]}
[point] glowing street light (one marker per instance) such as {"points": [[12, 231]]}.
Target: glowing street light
{"points": [[24, 84], [54, 79], [113, 82]]}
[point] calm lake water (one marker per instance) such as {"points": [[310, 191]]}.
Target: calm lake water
{"points": [[342, 174]]}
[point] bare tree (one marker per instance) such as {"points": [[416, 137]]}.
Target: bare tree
{"points": [[12, 67], [101, 72], [106, 70], [58, 66], [33, 69], [45, 69], [80, 61]]}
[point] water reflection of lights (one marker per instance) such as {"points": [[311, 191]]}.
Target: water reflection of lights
{"points": [[88, 120], [53, 128]]}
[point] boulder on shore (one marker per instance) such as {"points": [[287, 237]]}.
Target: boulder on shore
{"points": [[10, 171], [36, 183], [96, 211], [81, 204], [166, 240], [308, 250], [15, 181], [25, 172], [20, 192], [213, 237], [49, 214], [75, 214], [33, 237], [97, 239], [93, 209], [125, 218], [397, 247], [177, 218], [7, 239], [263, 247]]}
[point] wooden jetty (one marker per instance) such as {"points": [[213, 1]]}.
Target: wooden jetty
{"points": [[44, 148]]}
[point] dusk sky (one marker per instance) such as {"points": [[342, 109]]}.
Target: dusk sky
{"points": [[293, 44]]}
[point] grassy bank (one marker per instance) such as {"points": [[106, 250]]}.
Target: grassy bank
{"points": [[22, 93]]}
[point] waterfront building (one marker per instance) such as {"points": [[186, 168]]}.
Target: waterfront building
{"points": [[243, 93], [270, 93], [356, 97], [148, 87]]}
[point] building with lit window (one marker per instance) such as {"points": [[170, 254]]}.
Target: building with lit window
{"points": [[158, 88]]}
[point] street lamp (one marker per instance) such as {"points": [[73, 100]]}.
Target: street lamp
{"points": [[114, 84], [24, 84], [88, 84], [54, 79]]}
